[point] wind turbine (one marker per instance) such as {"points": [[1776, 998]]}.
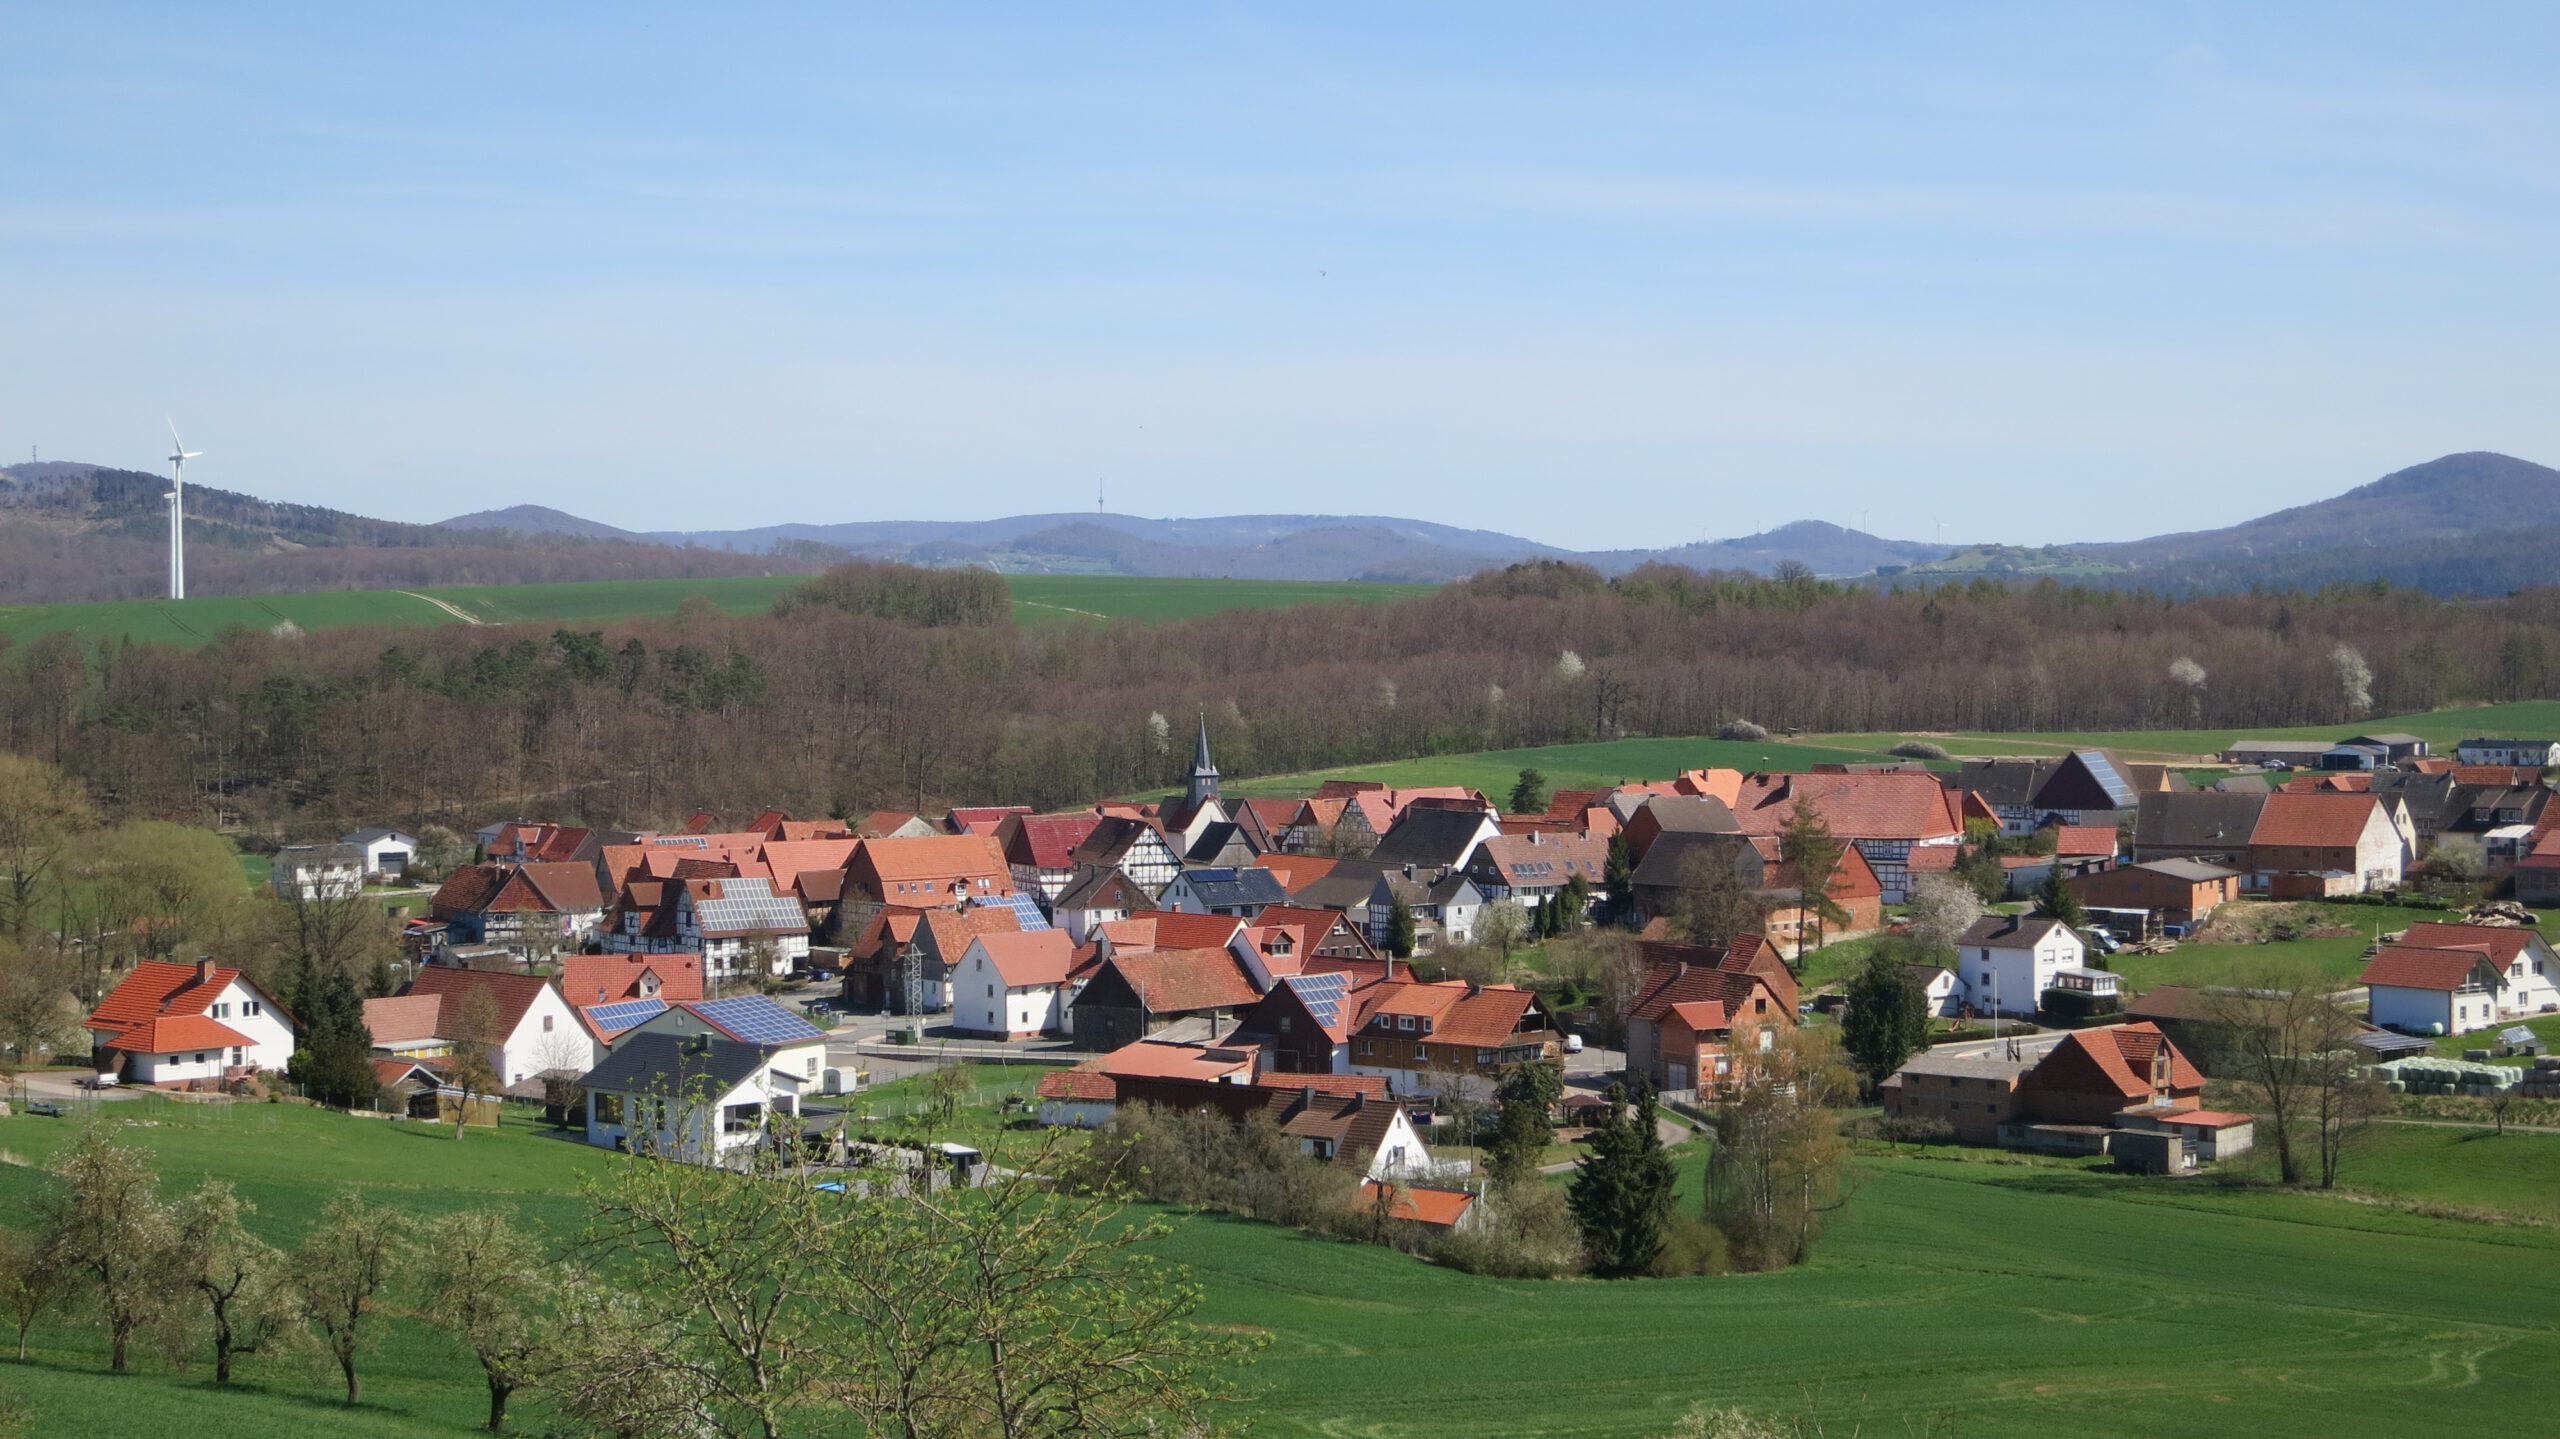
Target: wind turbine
{"points": [[179, 454]]}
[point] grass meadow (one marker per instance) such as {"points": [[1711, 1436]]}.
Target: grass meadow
{"points": [[1568, 766], [2021, 1300], [1038, 600], [2442, 729]]}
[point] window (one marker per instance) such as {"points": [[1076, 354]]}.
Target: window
{"points": [[1404, 1021], [221, 1011], [546, 1024], [236, 1056], [606, 1108], [1421, 1052], [1366, 1047], [1284, 1024], [200, 1056], [250, 1009]]}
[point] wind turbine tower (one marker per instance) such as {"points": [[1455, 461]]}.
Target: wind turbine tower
{"points": [[179, 454]]}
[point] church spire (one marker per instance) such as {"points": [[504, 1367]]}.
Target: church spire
{"points": [[1204, 773]]}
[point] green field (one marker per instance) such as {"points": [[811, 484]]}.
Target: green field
{"points": [[1038, 599], [2023, 1300], [1569, 766], [2443, 729]]}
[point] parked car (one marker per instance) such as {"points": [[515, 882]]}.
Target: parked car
{"points": [[1572, 1044], [105, 1079]]}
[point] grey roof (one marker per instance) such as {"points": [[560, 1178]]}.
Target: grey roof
{"points": [[1693, 814], [1102, 889], [2243, 784], [1971, 1066], [2191, 870], [2198, 820], [1235, 887], [1214, 840], [1664, 858], [2278, 746], [2010, 931], [368, 836], [749, 906], [1430, 835], [319, 854], [672, 1064], [2390, 739], [2503, 743], [1349, 883], [1110, 841]]}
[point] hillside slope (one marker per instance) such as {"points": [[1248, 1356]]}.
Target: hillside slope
{"points": [[2476, 493]]}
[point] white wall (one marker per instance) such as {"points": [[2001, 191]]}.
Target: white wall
{"points": [[2414, 1009], [271, 1039], [171, 1068], [981, 1002], [548, 1037], [2016, 978]]}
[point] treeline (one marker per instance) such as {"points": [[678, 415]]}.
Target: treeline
{"points": [[824, 711], [905, 592]]}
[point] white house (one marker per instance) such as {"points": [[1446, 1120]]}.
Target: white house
{"points": [[1939, 983], [2006, 962], [2455, 978], [696, 1098], [2537, 753], [175, 1023], [793, 1043], [535, 1028], [387, 852], [318, 871], [1012, 986]]}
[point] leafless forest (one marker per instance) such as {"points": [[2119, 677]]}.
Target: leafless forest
{"points": [[818, 709]]}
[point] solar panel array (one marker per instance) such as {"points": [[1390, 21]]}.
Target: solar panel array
{"points": [[1024, 907], [622, 1014], [748, 904], [1322, 994], [756, 1019], [2118, 788]]}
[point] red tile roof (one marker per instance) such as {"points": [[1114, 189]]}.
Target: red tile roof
{"points": [[1856, 806], [1083, 1083], [1173, 929], [172, 1033], [1485, 1016], [1439, 1208], [604, 978], [1028, 958], [156, 987], [2500, 942], [401, 1019], [2313, 820], [2077, 839], [1044, 841], [2119, 1056], [2401, 966], [1178, 981]]}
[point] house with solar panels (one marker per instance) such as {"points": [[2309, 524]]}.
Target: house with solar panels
{"points": [[798, 1045], [695, 1097], [1243, 893], [729, 921], [2084, 787]]}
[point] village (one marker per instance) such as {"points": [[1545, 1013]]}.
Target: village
{"points": [[1341, 965]]}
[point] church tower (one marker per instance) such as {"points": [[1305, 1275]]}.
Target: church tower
{"points": [[1204, 775]]}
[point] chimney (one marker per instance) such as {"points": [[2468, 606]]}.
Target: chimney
{"points": [[1408, 871], [204, 969], [1357, 1099], [1474, 989], [1306, 1095]]}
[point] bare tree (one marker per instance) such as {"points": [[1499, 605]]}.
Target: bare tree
{"points": [[2278, 1031], [33, 1279]]}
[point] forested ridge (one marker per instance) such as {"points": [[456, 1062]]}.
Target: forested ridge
{"points": [[820, 709]]}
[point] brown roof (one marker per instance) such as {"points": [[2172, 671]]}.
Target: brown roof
{"points": [[401, 1018], [2117, 1058], [1486, 1016], [932, 858], [1045, 841], [2500, 942], [2402, 966], [514, 993], [1179, 981]]}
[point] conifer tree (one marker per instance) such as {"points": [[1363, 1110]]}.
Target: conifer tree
{"points": [[1621, 1193], [2054, 900]]}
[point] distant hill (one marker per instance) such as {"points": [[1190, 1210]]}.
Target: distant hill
{"points": [[540, 520], [89, 532], [2477, 493], [1827, 548]]}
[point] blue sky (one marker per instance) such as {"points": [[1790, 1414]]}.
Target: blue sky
{"points": [[1606, 275]]}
